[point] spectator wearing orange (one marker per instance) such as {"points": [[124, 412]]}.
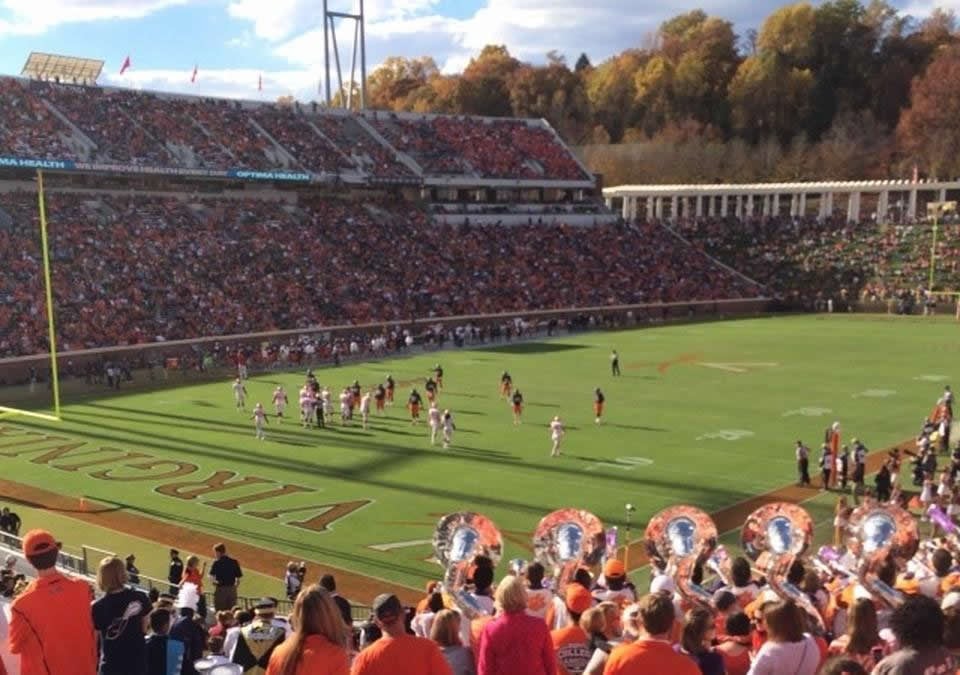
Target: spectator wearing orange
{"points": [[51, 626], [397, 652], [652, 652], [735, 647], [614, 588], [317, 645], [572, 643]]}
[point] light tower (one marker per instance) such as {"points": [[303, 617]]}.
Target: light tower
{"points": [[330, 44]]}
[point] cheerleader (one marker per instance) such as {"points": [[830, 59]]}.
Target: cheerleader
{"points": [[926, 495], [945, 488], [448, 429], [556, 435]]}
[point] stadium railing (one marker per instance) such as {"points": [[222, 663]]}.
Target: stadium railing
{"points": [[16, 369], [85, 565]]}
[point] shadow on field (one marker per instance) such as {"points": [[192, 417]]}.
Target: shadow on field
{"points": [[369, 471], [635, 427], [532, 348]]}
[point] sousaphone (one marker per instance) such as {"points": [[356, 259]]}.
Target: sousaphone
{"points": [[565, 540], [457, 541], [774, 536], [679, 539]]}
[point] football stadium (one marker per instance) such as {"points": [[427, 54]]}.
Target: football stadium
{"points": [[496, 372]]}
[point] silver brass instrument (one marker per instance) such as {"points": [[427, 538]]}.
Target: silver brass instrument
{"points": [[459, 538], [565, 540], [774, 536], [680, 538], [877, 532]]}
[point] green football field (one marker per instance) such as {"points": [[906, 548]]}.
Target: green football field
{"points": [[704, 414]]}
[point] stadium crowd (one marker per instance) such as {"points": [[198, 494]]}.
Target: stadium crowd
{"points": [[137, 269], [144, 129], [592, 625], [489, 148], [807, 261]]}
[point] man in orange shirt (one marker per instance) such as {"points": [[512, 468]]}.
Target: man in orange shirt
{"points": [[51, 626], [652, 652], [571, 643], [397, 652]]}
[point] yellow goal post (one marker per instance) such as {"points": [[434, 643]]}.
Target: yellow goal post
{"points": [[51, 323]]}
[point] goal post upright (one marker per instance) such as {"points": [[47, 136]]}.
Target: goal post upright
{"points": [[48, 287]]}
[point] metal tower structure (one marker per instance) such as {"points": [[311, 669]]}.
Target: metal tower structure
{"points": [[359, 43]]}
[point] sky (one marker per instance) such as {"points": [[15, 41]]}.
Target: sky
{"points": [[235, 43]]}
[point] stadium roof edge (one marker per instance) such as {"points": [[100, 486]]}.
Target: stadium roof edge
{"points": [[763, 188]]}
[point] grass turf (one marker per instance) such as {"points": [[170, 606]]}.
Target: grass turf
{"points": [[703, 414]]}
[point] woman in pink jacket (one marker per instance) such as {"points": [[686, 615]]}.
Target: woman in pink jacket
{"points": [[515, 643]]}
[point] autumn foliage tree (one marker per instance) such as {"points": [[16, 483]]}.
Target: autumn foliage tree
{"points": [[840, 86]]}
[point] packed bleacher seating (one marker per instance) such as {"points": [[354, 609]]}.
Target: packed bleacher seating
{"points": [[489, 148], [150, 130], [802, 260], [137, 269]]}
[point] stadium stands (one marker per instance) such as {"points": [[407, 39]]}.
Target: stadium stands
{"points": [[140, 268], [163, 131]]}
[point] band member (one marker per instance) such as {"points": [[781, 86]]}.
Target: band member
{"points": [[615, 363], [365, 409], [259, 418], [434, 420], [438, 376], [803, 463], [556, 435], [391, 386], [506, 385], [279, 401], [598, 401], [380, 397], [431, 388], [240, 394], [517, 406], [826, 464], [859, 464], [448, 428], [948, 399], [414, 403]]}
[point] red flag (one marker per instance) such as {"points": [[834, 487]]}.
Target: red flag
{"points": [[193, 78], [260, 83], [126, 65]]}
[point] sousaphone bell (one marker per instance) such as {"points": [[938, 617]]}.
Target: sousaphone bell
{"points": [[774, 536], [565, 540], [679, 539], [457, 541], [876, 533]]}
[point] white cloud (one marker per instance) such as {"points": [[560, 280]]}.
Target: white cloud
{"points": [[238, 83], [33, 17]]}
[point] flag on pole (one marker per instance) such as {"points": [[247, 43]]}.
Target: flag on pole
{"points": [[193, 78], [260, 83], [916, 174], [126, 65]]}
